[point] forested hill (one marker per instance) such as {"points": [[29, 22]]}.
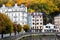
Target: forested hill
{"points": [[50, 8], [46, 6]]}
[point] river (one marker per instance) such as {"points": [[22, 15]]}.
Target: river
{"points": [[38, 37]]}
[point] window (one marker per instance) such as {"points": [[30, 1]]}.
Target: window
{"points": [[40, 16], [33, 16], [33, 19], [46, 26], [40, 19], [33, 23], [45, 30], [33, 27], [37, 23], [37, 27], [49, 26], [54, 27], [15, 16], [40, 27], [37, 20], [40, 23]]}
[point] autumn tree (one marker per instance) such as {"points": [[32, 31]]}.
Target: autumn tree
{"points": [[14, 28], [3, 2], [45, 6], [26, 28], [10, 3], [5, 24], [56, 2], [19, 28]]}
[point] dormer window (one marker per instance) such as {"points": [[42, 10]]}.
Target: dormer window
{"points": [[22, 5]]}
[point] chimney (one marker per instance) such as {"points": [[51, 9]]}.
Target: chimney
{"points": [[3, 6], [16, 5]]}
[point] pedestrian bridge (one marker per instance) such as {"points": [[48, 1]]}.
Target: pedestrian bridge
{"points": [[21, 35]]}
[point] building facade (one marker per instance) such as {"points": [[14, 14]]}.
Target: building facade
{"points": [[37, 22], [50, 28], [29, 21], [17, 14], [57, 21]]}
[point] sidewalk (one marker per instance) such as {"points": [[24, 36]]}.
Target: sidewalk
{"points": [[8, 37]]}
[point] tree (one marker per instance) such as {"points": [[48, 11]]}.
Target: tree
{"points": [[2, 2], [19, 28], [10, 3], [5, 24], [45, 6], [26, 28], [15, 28]]}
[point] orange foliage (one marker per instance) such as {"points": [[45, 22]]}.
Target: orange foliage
{"points": [[43, 1], [8, 4], [26, 4], [20, 1]]}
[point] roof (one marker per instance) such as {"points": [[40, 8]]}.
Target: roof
{"points": [[49, 24], [15, 11], [16, 6], [36, 13]]}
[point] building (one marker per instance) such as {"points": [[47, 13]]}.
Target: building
{"points": [[50, 28], [57, 21], [29, 21], [37, 22], [18, 14]]}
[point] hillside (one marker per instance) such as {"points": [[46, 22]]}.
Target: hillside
{"points": [[49, 7]]}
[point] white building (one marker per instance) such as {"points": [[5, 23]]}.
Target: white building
{"points": [[37, 22], [57, 21], [18, 14], [50, 28]]}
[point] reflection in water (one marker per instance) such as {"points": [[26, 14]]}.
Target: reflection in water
{"points": [[41, 38]]}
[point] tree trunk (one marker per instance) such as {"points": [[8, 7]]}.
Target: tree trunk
{"points": [[10, 33], [18, 32], [2, 35], [15, 32]]}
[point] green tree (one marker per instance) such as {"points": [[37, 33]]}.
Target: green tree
{"points": [[57, 2], [26, 28], [3, 2]]}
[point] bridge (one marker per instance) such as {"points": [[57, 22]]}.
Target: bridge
{"points": [[21, 35]]}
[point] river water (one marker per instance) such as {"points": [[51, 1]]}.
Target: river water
{"points": [[37, 37]]}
